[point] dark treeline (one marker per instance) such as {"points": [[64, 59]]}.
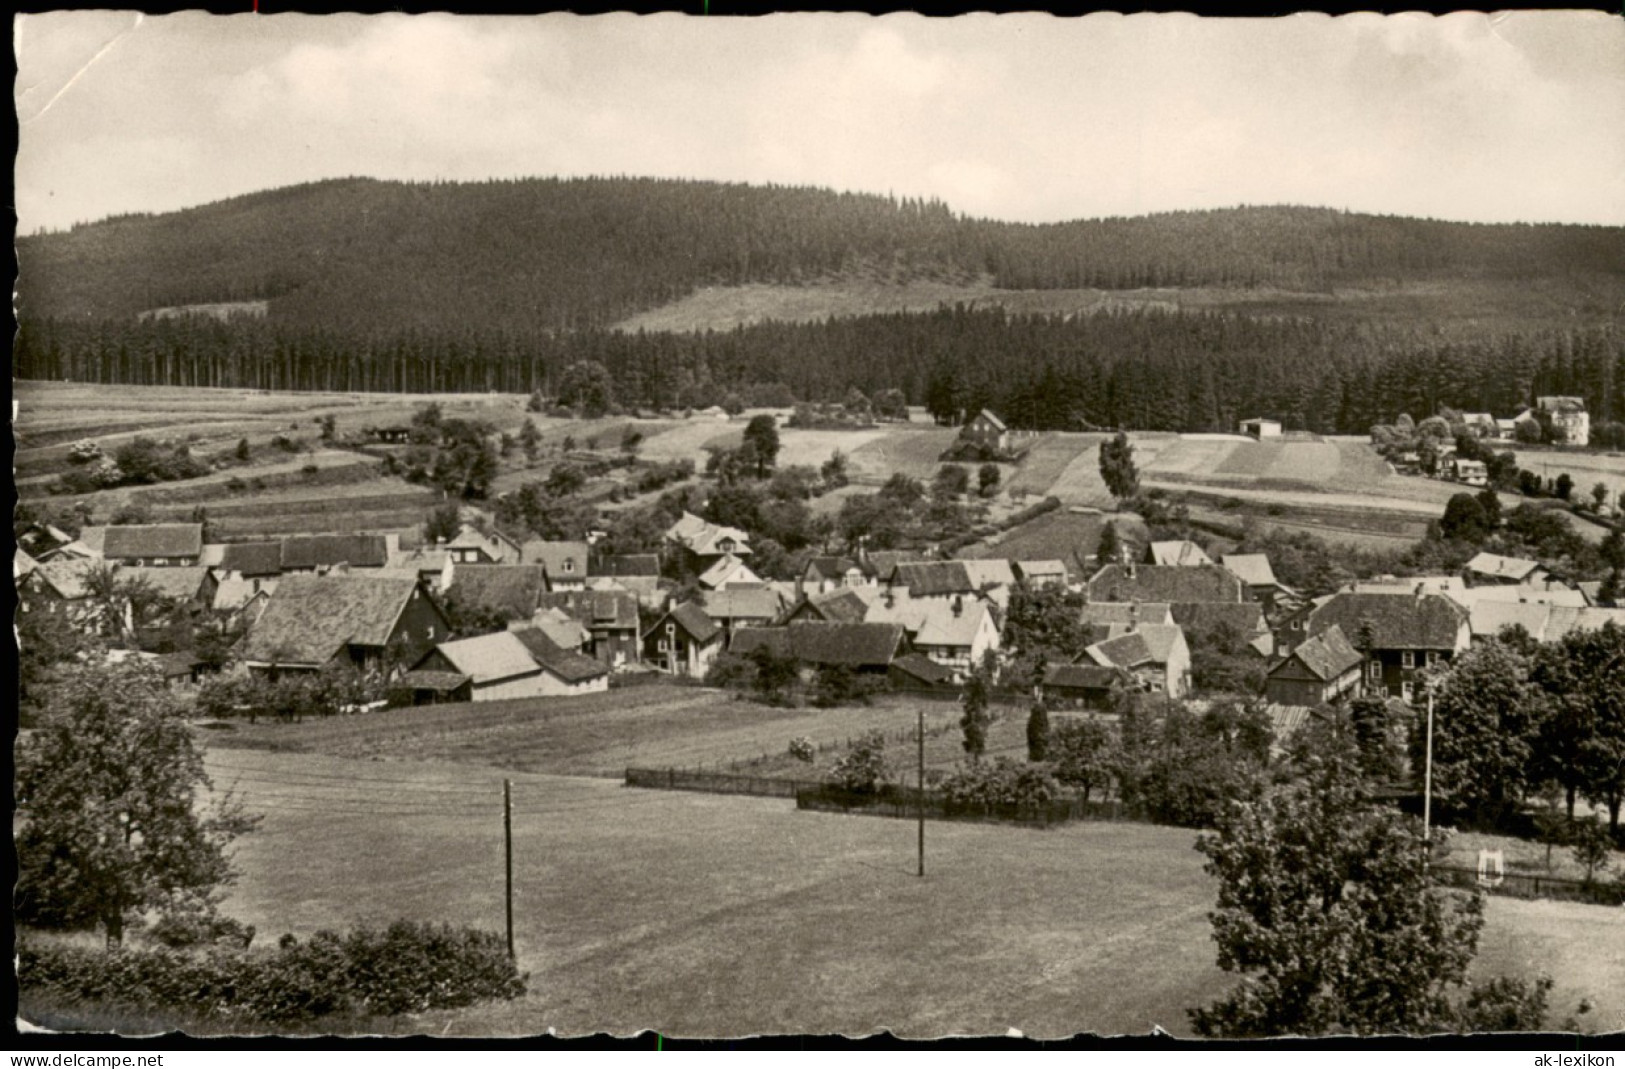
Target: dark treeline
{"points": [[537, 255], [1145, 369]]}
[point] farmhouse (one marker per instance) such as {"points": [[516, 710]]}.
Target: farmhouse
{"points": [[1261, 428], [824, 574], [637, 574], [684, 641], [1085, 686], [1493, 568], [739, 607], [516, 664], [726, 572], [1156, 655], [1408, 632], [867, 649], [312, 621], [954, 632], [1571, 425], [320, 554], [923, 580], [1164, 583], [987, 431], [610, 618], [153, 545], [565, 562], [1182, 554], [1319, 671]]}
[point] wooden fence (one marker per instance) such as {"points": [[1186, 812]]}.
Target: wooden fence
{"points": [[906, 802], [679, 779], [1525, 885]]}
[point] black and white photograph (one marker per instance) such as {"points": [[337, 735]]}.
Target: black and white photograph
{"points": [[682, 527]]}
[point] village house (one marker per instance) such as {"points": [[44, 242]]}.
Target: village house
{"points": [[824, 574], [916, 672], [727, 572], [435, 565], [1571, 425], [516, 664], [358, 620], [566, 562], [239, 602], [473, 546], [60, 585], [1471, 472], [40, 541], [1243, 619], [1039, 574], [947, 579], [1482, 424], [1487, 568], [610, 618], [565, 630], [1181, 554], [152, 545], [955, 632], [684, 641], [1255, 572], [1408, 633], [320, 554], [637, 574], [1103, 619], [842, 606], [190, 589], [1543, 622], [739, 607], [1165, 583], [878, 565], [1156, 655], [511, 591], [251, 560], [702, 543], [988, 431], [1085, 686], [865, 649], [433, 688], [1321, 670]]}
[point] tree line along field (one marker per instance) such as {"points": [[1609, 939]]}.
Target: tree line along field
{"points": [[704, 915]]}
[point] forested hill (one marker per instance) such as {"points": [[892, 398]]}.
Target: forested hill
{"points": [[544, 255]]}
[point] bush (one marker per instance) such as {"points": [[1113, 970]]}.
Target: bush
{"points": [[803, 749], [84, 452], [408, 967]]}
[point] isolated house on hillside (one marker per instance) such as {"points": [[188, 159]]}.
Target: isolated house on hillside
{"points": [[566, 562], [1156, 655], [358, 620], [153, 545], [1181, 554], [1321, 670], [1571, 425], [987, 431], [684, 641], [1165, 583], [1408, 633]]}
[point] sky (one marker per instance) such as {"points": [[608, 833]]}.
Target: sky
{"points": [[1031, 118]]}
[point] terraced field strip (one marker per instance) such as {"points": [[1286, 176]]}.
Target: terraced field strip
{"points": [[814, 447], [1045, 462], [913, 451], [684, 441], [1192, 456]]}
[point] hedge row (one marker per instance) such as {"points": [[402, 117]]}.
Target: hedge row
{"points": [[1014, 520], [405, 968]]}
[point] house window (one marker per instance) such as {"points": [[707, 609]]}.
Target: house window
{"points": [[569, 564], [431, 630], [671, 629], [1375, 670], [1408, 659], [1407, 690], [664, 646], [1297, 625]]}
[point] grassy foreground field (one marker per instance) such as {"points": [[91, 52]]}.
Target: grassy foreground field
{"points": [[701, 915]]}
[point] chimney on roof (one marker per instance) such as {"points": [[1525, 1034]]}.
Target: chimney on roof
{"points": [[959, 606], [1134, 616]]}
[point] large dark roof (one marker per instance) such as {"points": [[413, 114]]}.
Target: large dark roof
{"points": [[841, 606], [1398, 621], [428, 679], [926, 579], [626, 565], [252, 558], [1170, 583], [849, 645], [691, 617], [1084, 676], [515, 590], [311, 619], [923, 668], [568, 665], [1327, 655], [831, 567], [153, 540], [324, 551], [613, 609]]}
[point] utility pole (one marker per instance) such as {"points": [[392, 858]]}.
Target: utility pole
{"points": [[1427, 787], [507, 844], [920, 790]]}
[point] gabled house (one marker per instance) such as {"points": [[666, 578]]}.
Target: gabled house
{"points": [[359, 620], [739, 607], [1544, 623], [956, 633], [1471, 472], [1408, 633], [824, 574], [429, 687], [1493, 568], [433, 564], [1102, 619], [513, 591], [1156, 655], [1321, 670], [867, 649], [728, 571], [948, 579], [611, 619], [1085, 686], [1254, 570], [1482, 424], [566, 562], [59, 585], [704, 543], [684, 641], [1180, 554], [320, 554], [1571, 425], [473, 546], [988, 431], [566, 671], [877, 565], [153, 545], [251, 560], [1165, 583], [189, 589], [1038, 574], [516, 664], [637, 574], [565, 630], [840, 606], [240, 601]]}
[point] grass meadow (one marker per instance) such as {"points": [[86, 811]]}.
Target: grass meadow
{"points": [[703, 915]]}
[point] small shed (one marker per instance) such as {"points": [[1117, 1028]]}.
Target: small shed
{"points": [[1261, 428]]}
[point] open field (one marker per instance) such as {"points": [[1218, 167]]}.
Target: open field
{"points": [[653, 726], [1047, 461], [1586, 469], [913, 450], [702, 915]]}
